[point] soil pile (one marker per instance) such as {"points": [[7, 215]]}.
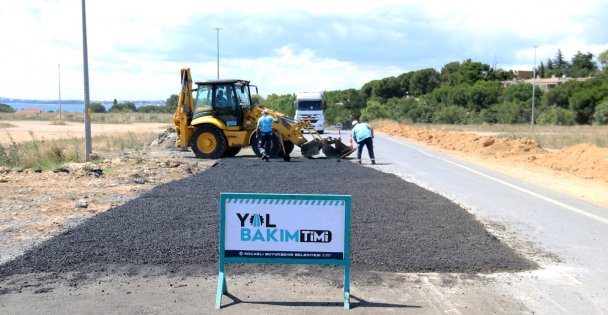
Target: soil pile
{"points": [[584, 160]]}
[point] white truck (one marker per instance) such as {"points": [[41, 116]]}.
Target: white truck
{"points": [[309, 106]]}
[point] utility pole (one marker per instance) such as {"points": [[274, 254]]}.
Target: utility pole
{"points": [[218, 51], [87, 101], [59, 80], [533, 89]]}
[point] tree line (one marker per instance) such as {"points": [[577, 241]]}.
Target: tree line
{"points": [[471, 92], [129, 107]]}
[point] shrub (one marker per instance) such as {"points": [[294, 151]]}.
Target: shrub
{"points": [[557, 116], [450, 115], [6, 109], [600, 116]]}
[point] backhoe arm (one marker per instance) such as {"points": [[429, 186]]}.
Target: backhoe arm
{"points": [[183, 111]]}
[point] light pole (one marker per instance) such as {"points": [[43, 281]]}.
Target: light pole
{"points": [[218, 51], [87, 101], [533, 90], [59, 80]]}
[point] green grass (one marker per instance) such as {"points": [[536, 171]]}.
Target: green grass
{"points": [[552, 137], [49, 154], [6, 125], [103, 118]]}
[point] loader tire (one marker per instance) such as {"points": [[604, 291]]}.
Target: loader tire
{"points": [[288, 146], [232, 151], [275, 146], [208, 142]]}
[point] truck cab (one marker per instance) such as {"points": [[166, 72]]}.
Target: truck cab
{"points": [[309, 107]]}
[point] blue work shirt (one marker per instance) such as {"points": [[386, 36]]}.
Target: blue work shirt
{"points": [[362, 131], [265, 123]]}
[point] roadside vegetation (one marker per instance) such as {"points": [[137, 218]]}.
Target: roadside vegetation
{"points": [[50, 154], [472, 92], [547, 136]]}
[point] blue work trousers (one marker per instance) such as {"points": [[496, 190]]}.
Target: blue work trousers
{"points": [[265, 141], [370, 148]]}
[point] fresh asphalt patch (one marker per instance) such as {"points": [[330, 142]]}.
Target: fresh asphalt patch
{"points": [[173, 229]]}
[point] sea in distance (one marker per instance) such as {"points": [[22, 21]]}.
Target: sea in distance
{"points": [[69, 106]]}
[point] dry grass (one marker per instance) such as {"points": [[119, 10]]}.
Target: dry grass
{"points": [[6, 125], [49, 154], [105, 118], [552, 137]]}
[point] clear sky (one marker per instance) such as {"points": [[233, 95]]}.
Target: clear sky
{"points": [[136, 48]]}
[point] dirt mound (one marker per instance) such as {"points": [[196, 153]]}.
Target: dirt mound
{"points": [[584, 160]]}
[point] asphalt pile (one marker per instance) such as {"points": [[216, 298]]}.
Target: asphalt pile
{"points": [[396, 226]]}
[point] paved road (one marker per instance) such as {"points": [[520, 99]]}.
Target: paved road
{"points": [[573, 230]]}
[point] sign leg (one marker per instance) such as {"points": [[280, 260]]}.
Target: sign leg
{"points": [[222, 289], [347, 286]]}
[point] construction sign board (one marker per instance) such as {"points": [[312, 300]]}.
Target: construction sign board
{"points": [[280, 228]]}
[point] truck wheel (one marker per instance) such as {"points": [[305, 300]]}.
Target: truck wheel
{"points": [[208, 142], [232, 151]]}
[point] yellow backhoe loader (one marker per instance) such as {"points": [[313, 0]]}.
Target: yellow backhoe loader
{"points": [[222, 119]]}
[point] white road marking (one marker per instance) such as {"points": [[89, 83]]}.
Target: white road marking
{"points": [[545, 198]]}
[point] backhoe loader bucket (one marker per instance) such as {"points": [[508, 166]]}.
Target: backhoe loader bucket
{"points": [[338, 151], [311, 148], [332, 148]]}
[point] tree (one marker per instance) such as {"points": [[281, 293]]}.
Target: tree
{"points": [[449, 73], [582, 65], [603, 59], [423, 81], [368, 88], [171, 102], [374, 110], [6, 109], [482, 95], [127, 107], [404, 82], [540, 70], [97, 107], [520, 92], [559, 60], [601, 113], [284, 103], [583, 103], [387, 88], [257, 99]]}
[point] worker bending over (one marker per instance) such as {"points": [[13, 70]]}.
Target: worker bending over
{"points": [[363, 134]]}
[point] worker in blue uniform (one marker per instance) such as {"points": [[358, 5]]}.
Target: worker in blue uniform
{"points": [[264, 132], [363, 134]]}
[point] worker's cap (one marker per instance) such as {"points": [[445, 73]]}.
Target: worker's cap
{"points": [[265, 112], [354, 122]]}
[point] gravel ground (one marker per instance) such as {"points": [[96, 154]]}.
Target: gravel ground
{"points": [[173, 229]]}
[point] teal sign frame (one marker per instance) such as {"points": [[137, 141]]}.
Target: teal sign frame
{"points": [[285, 201]]}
